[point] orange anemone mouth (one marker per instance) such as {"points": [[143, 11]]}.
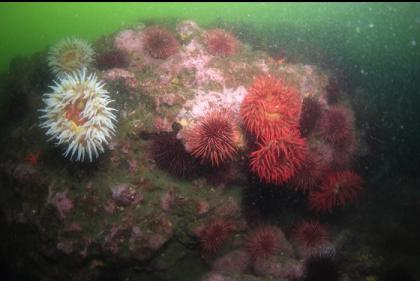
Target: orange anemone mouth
{"points": [[74, 113], [69, 57]]}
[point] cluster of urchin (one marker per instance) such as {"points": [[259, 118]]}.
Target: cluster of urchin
{"points": [[77, 111]]}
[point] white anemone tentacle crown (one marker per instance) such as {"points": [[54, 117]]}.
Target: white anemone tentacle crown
{"points": [[68, 55], [77, 114]]}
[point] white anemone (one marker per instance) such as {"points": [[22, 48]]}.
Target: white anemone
{"points": [[68, 55], [77, 114]]}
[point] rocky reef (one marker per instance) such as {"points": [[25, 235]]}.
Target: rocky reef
{"points": [[179, 195]]}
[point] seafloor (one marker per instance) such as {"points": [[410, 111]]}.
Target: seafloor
{"points": [[140, 211]]}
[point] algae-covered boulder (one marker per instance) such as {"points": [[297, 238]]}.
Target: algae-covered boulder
{"points": [[166, 194]]}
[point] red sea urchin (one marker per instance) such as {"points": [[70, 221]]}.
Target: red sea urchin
{"points": [[311, 171], [221, 43], [170, 155], [214, 235], [337, 189], [277, 160], [310, 234], [336, 125], [264, 242], [214, 139], [344, 153], [311, 111], [159, 42], [270, 107]]}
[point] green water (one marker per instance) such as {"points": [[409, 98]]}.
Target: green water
{"points": [[363, 29]]}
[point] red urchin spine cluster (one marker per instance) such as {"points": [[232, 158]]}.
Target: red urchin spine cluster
{"points": [[221, 42], [214, 139], [264, 242], [271, 112], [311, 171], [336, 126], [337, 189], [159, 42], [277, 160], [269, 107], [310, 234], [214, 235]]}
